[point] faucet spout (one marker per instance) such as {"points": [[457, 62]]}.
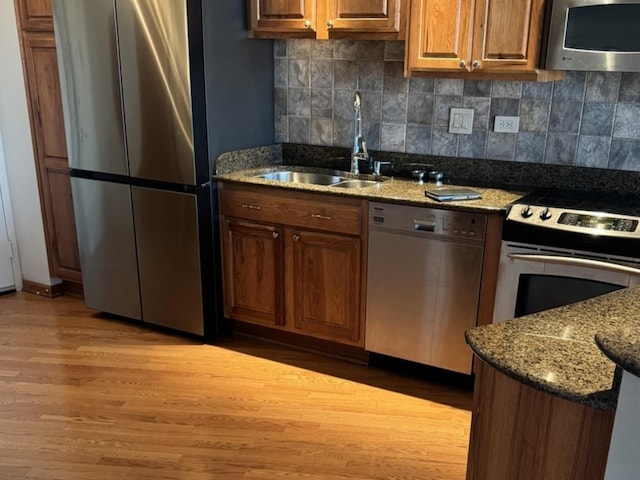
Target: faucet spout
{"points": [[359, 151]]}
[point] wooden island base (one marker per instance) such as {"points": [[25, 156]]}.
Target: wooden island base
{"points": [[519, 432]]}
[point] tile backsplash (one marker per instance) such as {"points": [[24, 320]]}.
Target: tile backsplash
{"points": [[587, 119]]}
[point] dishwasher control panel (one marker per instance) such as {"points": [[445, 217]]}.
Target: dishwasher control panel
{"points": [[431, 221]]}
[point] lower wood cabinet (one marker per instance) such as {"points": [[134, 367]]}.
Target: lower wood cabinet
{"points": [[323, 270], [518, 432], [294, 261], [253, 272]]}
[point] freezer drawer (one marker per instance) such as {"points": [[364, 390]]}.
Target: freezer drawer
{"points": [[169, 258], [107, 246]]}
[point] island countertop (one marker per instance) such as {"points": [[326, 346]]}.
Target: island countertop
{"points": [[555, 350], [622, 346]]}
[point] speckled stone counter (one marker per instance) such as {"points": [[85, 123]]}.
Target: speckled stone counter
{"points": [[391, 190], [622, 346], [555, 350]]}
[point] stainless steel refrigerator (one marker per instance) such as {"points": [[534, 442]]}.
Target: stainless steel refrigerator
{"points": [[152, 92]]}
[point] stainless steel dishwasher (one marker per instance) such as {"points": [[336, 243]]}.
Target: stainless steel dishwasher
{"points": [[423, 283]]}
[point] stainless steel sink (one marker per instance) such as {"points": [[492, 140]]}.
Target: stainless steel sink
{"points": [[355, 183], [302, 177], [331, 179]]}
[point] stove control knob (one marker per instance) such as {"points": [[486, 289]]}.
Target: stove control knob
{"points": [[545, 214], [526, 212]]}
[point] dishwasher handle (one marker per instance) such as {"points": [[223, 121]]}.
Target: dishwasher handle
{"points": [[424, 226]]}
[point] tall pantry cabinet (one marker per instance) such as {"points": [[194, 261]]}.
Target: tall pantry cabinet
{"points": [[35, 26]]}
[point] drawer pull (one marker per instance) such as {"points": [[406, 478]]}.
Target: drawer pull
{"points": [[296, 238], [251, 207], [321, 217], [274, 234]]}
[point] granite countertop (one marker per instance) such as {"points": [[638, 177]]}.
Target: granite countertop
{"points": [[393, 190], [555, 350], [622, 346]]}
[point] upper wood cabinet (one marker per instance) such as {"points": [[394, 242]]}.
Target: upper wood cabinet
{"points": [[477, 39], [322, 19], [35, 15]]}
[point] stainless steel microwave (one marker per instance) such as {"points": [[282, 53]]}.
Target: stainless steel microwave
{"points": [[600, 35]]}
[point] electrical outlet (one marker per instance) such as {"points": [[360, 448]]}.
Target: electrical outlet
{"points": [[506, 124], [461, 120]]}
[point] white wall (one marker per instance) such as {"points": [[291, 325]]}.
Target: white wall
{"points": [[18, 153], [10, 272]]}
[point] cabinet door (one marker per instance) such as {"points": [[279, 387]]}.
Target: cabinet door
{"points": [[375, 16], [282, 18], [34, 15], [63, 247], [323, 285], [253, 269], [440, 35], [50, 148], [507, 35]]}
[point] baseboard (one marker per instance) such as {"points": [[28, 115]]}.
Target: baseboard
{"points": [[290, 339], [73, 288], [50, 291]]}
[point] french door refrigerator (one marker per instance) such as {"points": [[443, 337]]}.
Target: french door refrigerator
{"points": [[152, 92]]}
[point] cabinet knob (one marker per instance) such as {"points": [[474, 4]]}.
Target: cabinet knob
{"points": [[329, 23], [462, 64], [475, 64], [307, 24], [275, 234], [296, 238]]}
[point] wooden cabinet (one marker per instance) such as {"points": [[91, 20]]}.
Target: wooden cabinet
{"points": [[47, 129], [253, 272], [294, 261], [35, 15], [477, 39], [322, 19], [520, 432], [324, 280]]}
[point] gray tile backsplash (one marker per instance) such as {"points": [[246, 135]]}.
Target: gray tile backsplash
{"points": [[587, 119]]}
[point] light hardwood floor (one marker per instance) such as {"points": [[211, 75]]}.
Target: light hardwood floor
{"points": [[85, 397]]}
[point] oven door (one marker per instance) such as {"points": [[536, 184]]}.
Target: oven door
{"points": [[533, 278]]}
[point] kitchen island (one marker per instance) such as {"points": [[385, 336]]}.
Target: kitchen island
{"points": [[545, 394]]}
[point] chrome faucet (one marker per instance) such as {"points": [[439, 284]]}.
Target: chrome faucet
{"points": [[359, 151]]}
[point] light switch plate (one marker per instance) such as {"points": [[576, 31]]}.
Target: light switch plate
{"points": [[461, 120], [506, 124]]}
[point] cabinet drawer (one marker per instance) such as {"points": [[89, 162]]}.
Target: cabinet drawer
{"points": [[289, 207]]}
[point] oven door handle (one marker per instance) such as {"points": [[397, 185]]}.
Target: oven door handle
{"points": [[575, 262]]}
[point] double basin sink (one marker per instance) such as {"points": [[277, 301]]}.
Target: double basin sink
{"points": [[313, 178]]}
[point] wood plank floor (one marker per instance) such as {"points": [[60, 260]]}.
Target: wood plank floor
{"points": [[85, 397]]}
